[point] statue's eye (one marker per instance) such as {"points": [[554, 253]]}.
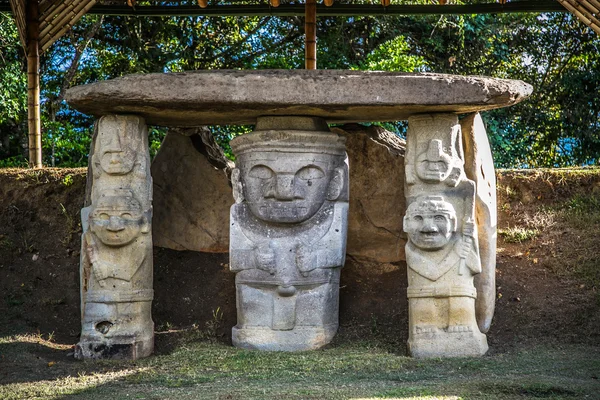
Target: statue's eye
{"points": [[439, 218], [261, 172], [126, 216], [104, 217], [310, 173], [418, 218]]}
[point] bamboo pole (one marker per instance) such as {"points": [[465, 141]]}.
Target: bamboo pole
{"points": [[586, 9], [46, 4], [20, 19], [33, 84], [595, 3], [55, 33], [310, 32], [583, 18], [588, 6], [67, 18], [52, 17]]}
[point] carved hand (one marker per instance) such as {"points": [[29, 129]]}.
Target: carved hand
{"points": [[92, 254], [466, 246], [266, 259], [101, 272], [469, 228], [304, 260]]}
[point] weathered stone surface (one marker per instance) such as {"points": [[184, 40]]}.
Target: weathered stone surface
{"points": [[377, 204], [442, 253], [239, 97], [288, 234], [192, 194], [479, 167], [116, 250]]}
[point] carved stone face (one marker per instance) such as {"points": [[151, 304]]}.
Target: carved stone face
{"points": [[434, 165], [287, 187], [117, 221], [116, 157], [430, 224]]}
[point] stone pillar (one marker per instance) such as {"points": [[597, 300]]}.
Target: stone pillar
{"points": [[116, 251], [479, 166], [288, 233], [442, 252]]}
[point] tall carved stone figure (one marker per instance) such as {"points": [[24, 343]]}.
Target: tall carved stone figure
{"points": [[442, 252], [288, 233], [116, 253]]}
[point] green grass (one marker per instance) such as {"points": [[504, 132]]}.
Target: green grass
{"points": [[517, 234], [582, 211], [348, 371]]}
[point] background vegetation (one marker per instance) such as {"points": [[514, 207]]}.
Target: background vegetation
{"points": [[559, 56]]}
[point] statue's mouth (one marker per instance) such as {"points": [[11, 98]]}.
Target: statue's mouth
{"points": [[430, 236], [283, 210]]}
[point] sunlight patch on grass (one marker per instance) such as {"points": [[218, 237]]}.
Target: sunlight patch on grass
{"points": [[517, 234], [410, 398], [34, 339], [69, 385]]}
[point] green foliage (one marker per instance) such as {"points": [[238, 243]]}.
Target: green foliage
{"points": [[224, 134], [558, 55], [64, 144], [155, 138], [393, 55], [13, 97]]}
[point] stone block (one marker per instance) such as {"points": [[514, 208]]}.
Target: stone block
{"points": [[116, 251], [377, 204], [479, 167], [442, 253], [192, 193]]}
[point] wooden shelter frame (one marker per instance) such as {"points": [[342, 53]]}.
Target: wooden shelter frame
{"points": [[41, 22]]}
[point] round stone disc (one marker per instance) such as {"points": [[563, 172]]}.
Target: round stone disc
{"points": [[225, 97]]}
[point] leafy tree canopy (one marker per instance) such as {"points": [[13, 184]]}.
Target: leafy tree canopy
{"points": [[559, 56]]}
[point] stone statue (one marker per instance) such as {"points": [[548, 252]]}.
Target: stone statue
{"points": [[116, 257], [288, 235], [442, 253]]}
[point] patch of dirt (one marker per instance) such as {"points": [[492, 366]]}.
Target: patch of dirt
{"points": [[542, 295]]}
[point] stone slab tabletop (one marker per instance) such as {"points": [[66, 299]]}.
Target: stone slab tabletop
{"points": [[231, 97]]}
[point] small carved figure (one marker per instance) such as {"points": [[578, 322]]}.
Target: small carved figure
{"points": [[434, 151], [118, 150], [288, 238], [116, 220], [441, 264], [435, 165]]}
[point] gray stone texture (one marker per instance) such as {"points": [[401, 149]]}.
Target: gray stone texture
{"points": [[479, 167], [377, 204], [192, 193], [239, 97], [116, 251], [442, 253], [288, 234]]}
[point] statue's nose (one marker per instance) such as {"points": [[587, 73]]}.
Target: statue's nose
{"points": [[429, 226], [285, 187], [115, 224]]}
